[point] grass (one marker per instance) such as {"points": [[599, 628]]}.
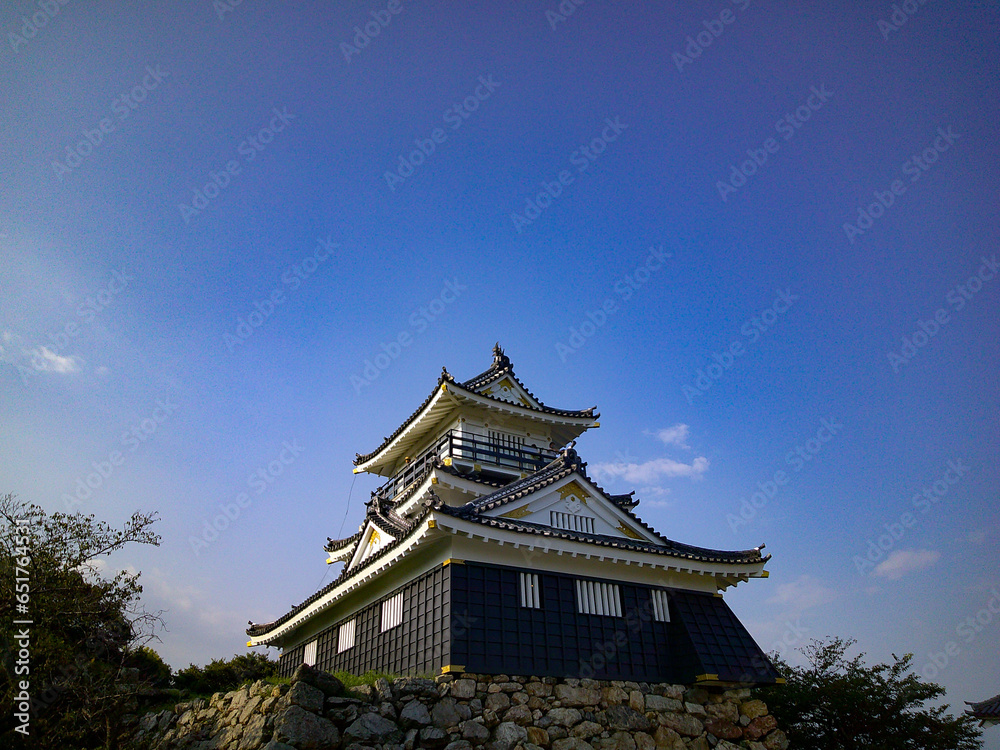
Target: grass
{"points": [[368, 678]]}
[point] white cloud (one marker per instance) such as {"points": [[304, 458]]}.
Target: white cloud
{"points": [[676, 435], [804, 592], [905, 561], [650, 472], [46, 360], [653, 491]]}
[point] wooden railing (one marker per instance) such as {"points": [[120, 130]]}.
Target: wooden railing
{"points": [[469, 449]]}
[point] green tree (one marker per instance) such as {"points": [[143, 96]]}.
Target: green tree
{"points": [[222, 675], [87, 666], [835, 703]]}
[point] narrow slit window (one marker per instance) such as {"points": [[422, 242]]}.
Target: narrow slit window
{"points": [[530, 591], [661, 605], [345, 636], [309, 657], [392, 612]]}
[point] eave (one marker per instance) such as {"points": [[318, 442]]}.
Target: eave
{"points": [[272, 633], [617, 551]]}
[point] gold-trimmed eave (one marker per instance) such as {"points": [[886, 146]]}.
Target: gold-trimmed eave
{"points": [[427, 532], [723, 574], [344, 554], [451, 396]]}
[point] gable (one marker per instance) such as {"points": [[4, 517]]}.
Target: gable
{"points": [[574, 504], [372, 540], [506, 389]]}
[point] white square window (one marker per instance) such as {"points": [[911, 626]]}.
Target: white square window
{"points": [[530, 591], [598, 598], [661, 605], [345, 636], [392, 611]]}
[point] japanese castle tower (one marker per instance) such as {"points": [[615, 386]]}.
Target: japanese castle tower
{"points": [[490, 550]]}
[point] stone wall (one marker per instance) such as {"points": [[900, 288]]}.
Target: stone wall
{"points": [[463, 712]]}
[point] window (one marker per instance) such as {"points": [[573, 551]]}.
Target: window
{"points": [[345, 636], [661, 605], [596, 598], [309, 657], [561, 520], [392, 611], [530, 591]]}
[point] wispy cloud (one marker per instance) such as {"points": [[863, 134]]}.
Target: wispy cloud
{"points": [[650, 472], [805, 592], [655, 497], [44, 359], [978, 536], [905, 561], [676, 435]]}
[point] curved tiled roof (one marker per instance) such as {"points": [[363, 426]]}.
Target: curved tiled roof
{"points": [[262, 628], [987, 709], [382, 514], [501, 366], [332, 545], [674, 549], [567, 463]]}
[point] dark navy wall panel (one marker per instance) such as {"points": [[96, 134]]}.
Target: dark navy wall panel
{"points": [[418, 645], [469, 615], [503, 637]]}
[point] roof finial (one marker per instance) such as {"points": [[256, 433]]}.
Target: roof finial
{"points": [[499, 358]]}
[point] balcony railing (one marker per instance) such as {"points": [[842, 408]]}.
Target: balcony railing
{"points": [[467, 451]]}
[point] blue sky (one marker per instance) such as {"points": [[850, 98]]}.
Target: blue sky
{"points": [[763, 241]]}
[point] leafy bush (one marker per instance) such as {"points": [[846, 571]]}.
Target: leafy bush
{"points": [[838, 702], [221, 675]]}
